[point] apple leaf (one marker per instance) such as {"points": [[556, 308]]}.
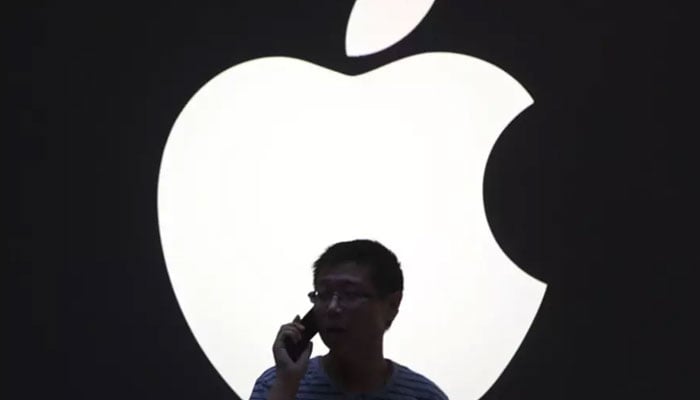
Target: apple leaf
{"points": [[375, 25]]}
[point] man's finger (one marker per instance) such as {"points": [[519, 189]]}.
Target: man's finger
{"points": [[291, 333], [284, 357], [306, 354]]}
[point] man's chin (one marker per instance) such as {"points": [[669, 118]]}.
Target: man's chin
{"points": [[336, 341]]}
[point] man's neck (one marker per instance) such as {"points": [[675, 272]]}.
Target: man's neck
{"points": [[358, 374]]}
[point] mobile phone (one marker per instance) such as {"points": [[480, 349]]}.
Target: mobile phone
{"points": [[311, 328]]}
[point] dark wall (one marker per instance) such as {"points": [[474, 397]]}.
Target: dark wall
{"points": [[593, 189]]}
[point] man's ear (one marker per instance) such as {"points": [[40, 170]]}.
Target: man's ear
{"points": [[394, 301]]}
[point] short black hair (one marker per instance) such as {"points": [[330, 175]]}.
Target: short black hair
{"points": [[384, 267]]}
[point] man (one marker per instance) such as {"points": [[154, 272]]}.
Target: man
{"points": [[359, 286]]}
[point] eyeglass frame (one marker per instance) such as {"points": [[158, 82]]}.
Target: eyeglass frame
{"points": [[342, 298]]}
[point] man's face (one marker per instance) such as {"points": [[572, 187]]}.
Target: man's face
{"points": [[344, 327]]}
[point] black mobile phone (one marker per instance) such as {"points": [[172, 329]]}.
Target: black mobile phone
{"points": [[310, 329]]}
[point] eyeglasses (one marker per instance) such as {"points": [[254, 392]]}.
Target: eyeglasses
{"points": [[345, 299]]}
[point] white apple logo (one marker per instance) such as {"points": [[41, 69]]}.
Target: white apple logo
{"points": [[275, 159]]}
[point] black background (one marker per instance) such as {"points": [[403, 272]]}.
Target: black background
{"points": [[592, 189]]}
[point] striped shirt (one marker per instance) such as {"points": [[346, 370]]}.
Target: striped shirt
{"points": [[404, 384]]}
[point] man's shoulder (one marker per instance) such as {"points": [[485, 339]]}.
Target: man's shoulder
{"points": [[417, 384], [313, 385], [263, 383], [268, 376]]}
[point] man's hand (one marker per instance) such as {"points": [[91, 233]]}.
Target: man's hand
{"points": [[289, 373]]}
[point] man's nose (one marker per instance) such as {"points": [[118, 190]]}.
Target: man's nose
{"points": [[334, 305]]}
